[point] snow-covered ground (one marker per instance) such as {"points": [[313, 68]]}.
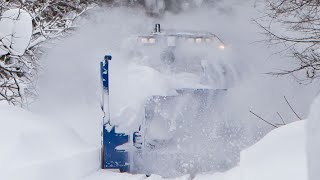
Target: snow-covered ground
{"points": [[37, 148], [34, 147], [280, 155]]}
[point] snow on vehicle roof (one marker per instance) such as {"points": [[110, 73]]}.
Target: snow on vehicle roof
{"points": [[172, 32], [182, 34]]}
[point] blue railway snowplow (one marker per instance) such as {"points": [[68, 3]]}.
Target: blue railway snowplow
{"points": [[128, 152], [192, 105]]}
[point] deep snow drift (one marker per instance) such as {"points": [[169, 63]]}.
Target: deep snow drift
{"points": [[280, 155], [70, 88], [35, 148]]}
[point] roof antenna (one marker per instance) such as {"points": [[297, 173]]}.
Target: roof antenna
{"points": [[157, 28]]}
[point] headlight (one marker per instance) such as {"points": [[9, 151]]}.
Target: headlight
{"points": [[152, 40], [198, 40], [208, 40], [221, 46], [144, 40]]}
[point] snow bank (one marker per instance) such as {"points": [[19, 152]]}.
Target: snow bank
{"points": [[35, 148], [313, 143], [280, 155]]}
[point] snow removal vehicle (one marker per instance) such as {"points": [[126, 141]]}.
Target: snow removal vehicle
{"points": [[169, 123]]}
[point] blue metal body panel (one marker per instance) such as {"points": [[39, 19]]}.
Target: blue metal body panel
{"points": [[111, 157], [104, 69]]}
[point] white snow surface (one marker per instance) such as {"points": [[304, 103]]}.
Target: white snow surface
{"points": [[15, 32], [313, 140], [36, 148], [280, 155]]}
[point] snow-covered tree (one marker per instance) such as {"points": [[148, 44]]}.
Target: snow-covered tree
{"points": [[15, 36], [24, 26]]}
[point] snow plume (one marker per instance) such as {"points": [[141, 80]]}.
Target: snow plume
{"points": [[70, 87]]}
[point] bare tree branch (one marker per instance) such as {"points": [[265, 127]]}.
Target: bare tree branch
{"points": [[300, 23], [281, 118], [263, 119], [292, 108]]}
